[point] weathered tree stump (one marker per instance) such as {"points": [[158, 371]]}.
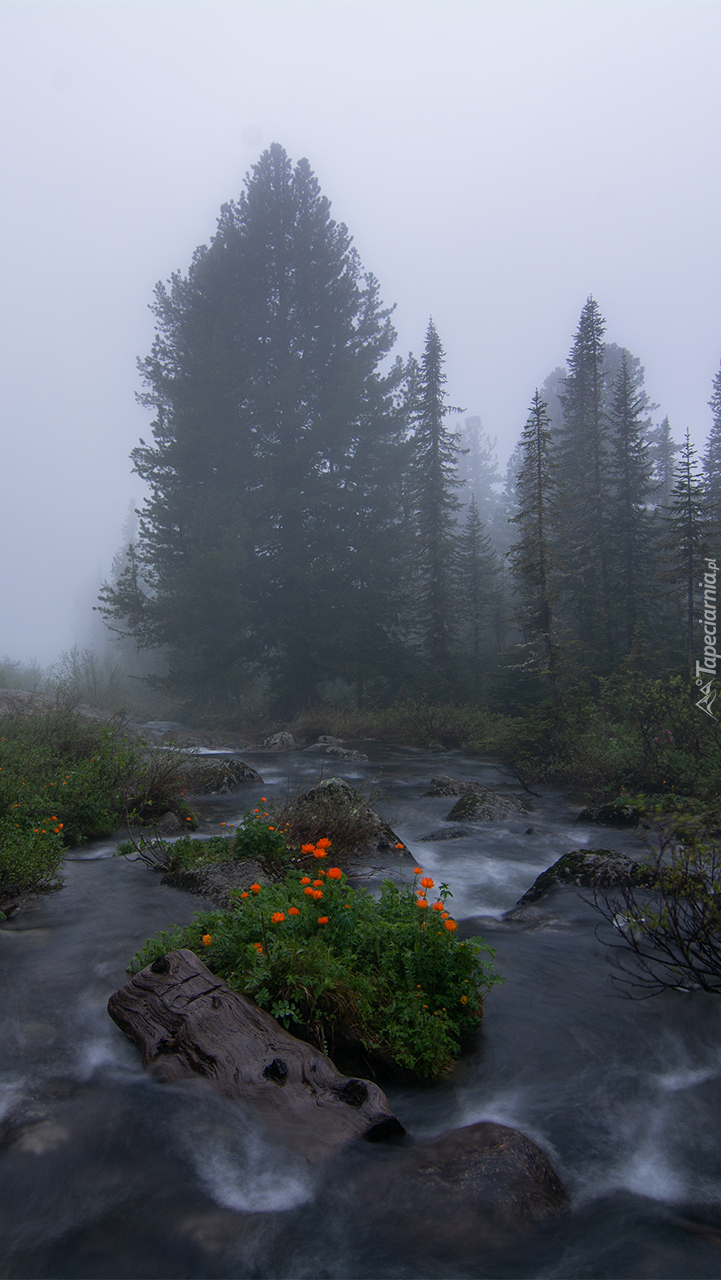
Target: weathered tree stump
{"points": [[189, 1023]]}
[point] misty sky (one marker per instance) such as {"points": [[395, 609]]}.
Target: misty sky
{"points": [[494, 162]]}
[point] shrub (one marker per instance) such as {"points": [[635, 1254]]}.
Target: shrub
{"points": [[63, 779], [316, 952]]}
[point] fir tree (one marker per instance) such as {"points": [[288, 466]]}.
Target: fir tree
{"points": [[533, 557], [630, 471], [436, 451], [583, 459], [663, 450], [477, 580], [688, 522], [273, 454]]}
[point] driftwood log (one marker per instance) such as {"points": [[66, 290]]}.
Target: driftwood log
{"points": [[189, 1023]]}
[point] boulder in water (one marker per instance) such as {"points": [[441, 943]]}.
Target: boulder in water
{"points": [[445, 786], [611, 815], [466, 1191], [219, 777], [486, 806], [591, 869]]}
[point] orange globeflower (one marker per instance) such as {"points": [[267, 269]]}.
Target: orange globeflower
{"points": [[255, 888], [324, 843], [399, 846], [307, 848], [244, 894], [317, 893], [418, 871], [264, 799], [310, 892], [438, 906], [305, 880], [451, 925], [334, 873], [320, 853], [259, 947], [293, 911], [427, 882], [322, 919], [464, 999], [318, 884], [277, 916], [422, 902], [271, 828], [207, 939], [445, 915]]}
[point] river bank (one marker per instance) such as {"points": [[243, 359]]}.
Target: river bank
{"points": [[103, 1172]]}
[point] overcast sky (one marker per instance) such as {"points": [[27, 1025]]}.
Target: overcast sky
{"points": [[494, 162]]}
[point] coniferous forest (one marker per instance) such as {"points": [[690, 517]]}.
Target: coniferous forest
{"points": [[321, 522]]}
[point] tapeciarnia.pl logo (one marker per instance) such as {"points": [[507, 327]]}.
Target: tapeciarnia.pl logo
{"points": [[710, 656]]}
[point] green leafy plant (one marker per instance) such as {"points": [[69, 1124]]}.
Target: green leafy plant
{"points": [[331, 962]]}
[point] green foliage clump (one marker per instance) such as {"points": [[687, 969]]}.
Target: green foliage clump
{"points": [[637, 734], [316, 952], [254, 840], [63, 779]]}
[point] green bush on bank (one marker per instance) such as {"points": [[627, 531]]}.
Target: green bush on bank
{"points": [[63, 779], [316, 952]]}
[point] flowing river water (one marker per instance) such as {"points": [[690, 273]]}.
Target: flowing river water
{"points": [[106, 1173]]}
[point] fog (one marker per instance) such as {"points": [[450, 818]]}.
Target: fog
{"points": [[494, 162]]}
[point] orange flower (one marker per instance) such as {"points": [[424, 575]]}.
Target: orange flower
{"points": [[317, 893], [438, 906], [264, 799], [451, 926], [305, 880], [244, 894], [422, 902], [322, 919], [399, 846], [307, 848], [255, 888], [325, 843], [259, 947], [310, 892], [256, 811], [318, 884], [464, 999], [445, 915], [222, 824], [417, 871], [320, 853], [427, 882], [188, 819], [277, 916], [334, 873], [347, 906], [293, 911], [271, 828], [207, 939]]}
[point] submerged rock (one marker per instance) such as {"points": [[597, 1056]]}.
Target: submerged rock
{"points": [[445, 786], [279, 742], [341, 753], [461, 1193], [486, 806], [591, 869], [448, 833]]}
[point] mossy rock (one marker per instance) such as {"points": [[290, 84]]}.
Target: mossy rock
{"points": [[611, 815], [591, 869], [218, 777]]}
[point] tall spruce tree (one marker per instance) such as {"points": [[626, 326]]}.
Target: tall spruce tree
{"points": [[689, 525], [583, 473], [629, 524], [534, 557], [712, 463], [663, 457], [436, 451], [478, 590], [273, 471]]}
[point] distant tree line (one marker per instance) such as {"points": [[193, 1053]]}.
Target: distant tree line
{"points": [[314, 522]]}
